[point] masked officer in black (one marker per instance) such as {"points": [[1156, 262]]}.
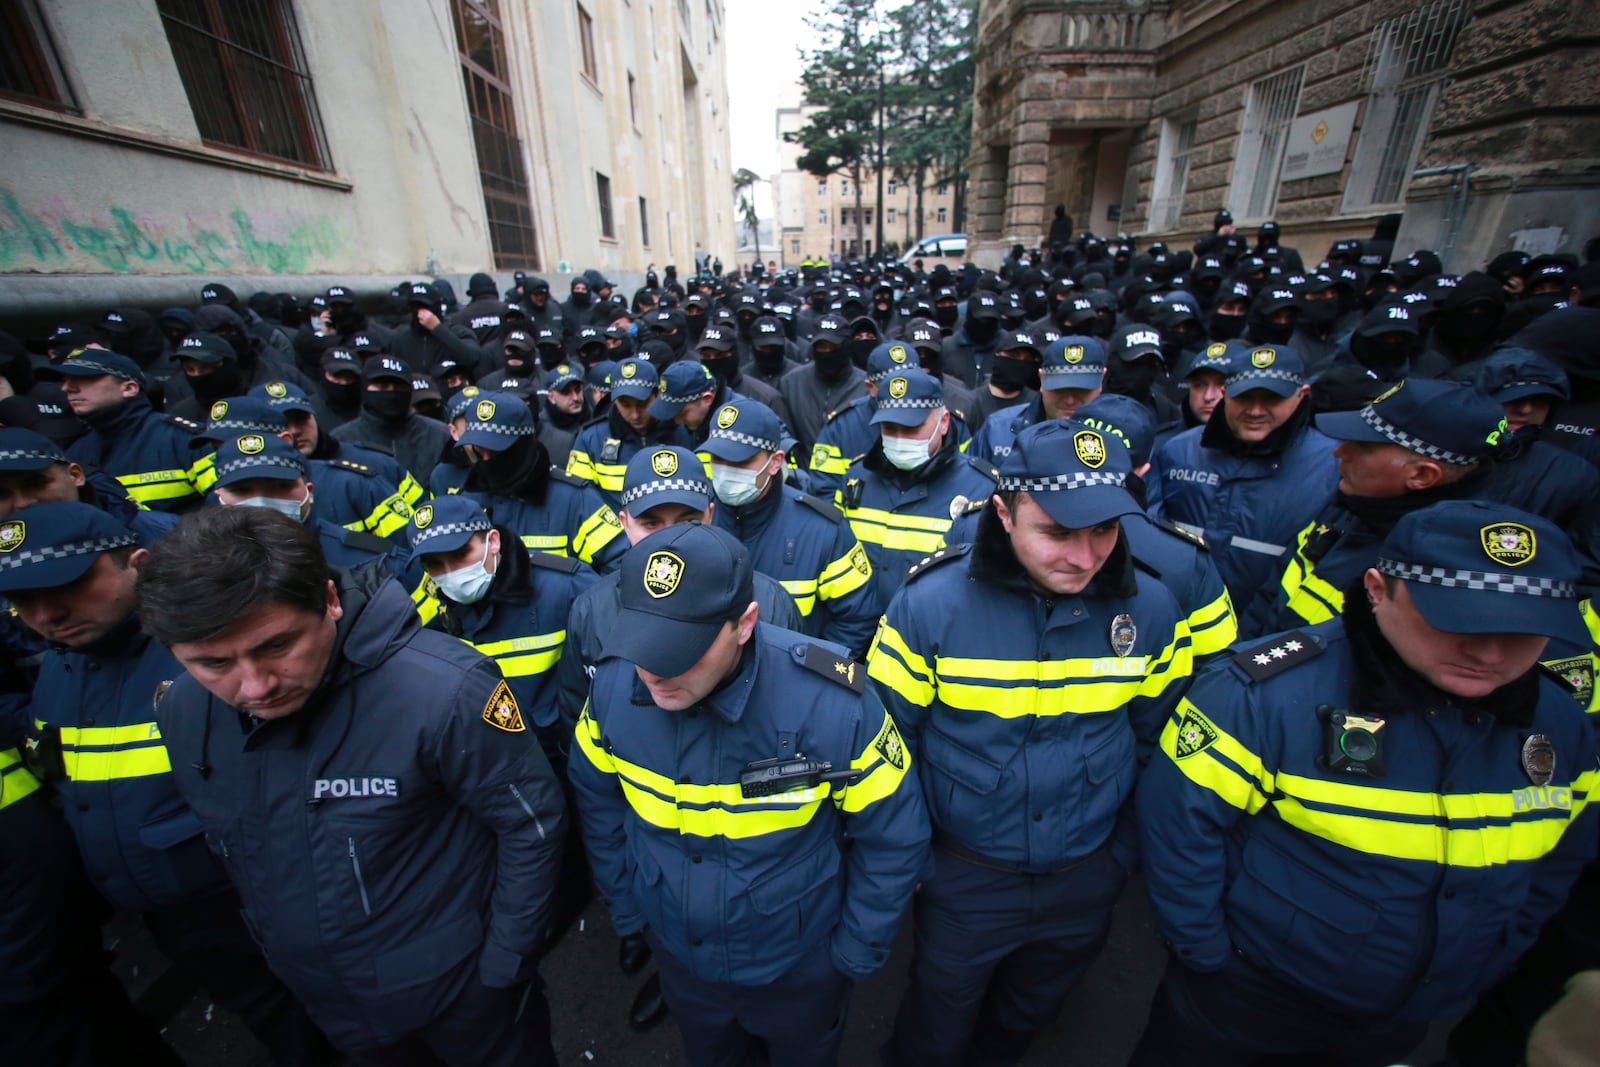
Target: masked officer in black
{"points": [[387, 422], [374, 789]]}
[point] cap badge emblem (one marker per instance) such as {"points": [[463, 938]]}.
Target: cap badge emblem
{"points": [[897, 353], [1263, 357], [662, 573], [1074, 354], [630, 369], [1509, 544], [727, 417], [1216, 350], [898, 387], [664, 463], [277, 390], [423, 516], [485, 410], [11, 535], [1091, 448], [219, 411], [252, 444]]}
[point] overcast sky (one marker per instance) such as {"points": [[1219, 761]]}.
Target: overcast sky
{"points": [[762, 39]]}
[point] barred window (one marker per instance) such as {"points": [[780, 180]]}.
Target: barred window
{"points": [[29, 69], [1270, 110], [1172, 173], [602, 189], [245, 75]]}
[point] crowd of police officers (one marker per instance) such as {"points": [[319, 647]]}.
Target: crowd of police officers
{"points": [[355, 644]]}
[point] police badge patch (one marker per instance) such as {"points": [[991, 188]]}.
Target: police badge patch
{"points": [[1123, 634], [727, 417], [219, 410], [665, 463], [1073, 354], [898, 353], [1578, 673], [1509, 544], [662, 573], [889, 745], [12, 534], [897, 388], [1195, 734], [1091, 448], [485, 410], [1539, 759], [251, 444], [502, 712], [277, 390], [423, 516], [1263, 357]]}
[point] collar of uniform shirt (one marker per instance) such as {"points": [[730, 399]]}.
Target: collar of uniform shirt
{"points": [[728, 700]]}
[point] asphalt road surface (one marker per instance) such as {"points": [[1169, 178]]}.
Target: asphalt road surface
{"points": [[589, 999]]}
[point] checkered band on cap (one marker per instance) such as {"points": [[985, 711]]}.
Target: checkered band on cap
{"points": [[9, 454], [15, 560], [103, 368], [500, 428], [701, 389], [1370, 416], [926, 403], [245, 425], [444, 530], [262, 463], [1484, 581], [765, 444], [666, 485], [881, 375], [1057, 483], [1257, 374]]}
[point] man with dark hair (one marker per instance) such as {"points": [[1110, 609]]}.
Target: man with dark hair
{"points": [[69, 571], [374, 789]]}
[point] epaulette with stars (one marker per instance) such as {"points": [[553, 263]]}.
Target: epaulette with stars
{"points": [[1182, 533], [1273, 657], [927, 563], [352, 465], [188, 425], [842, 670]]}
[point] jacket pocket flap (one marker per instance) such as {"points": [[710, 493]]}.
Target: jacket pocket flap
{"points": [[1114, 754], [1307, 892], [955, 760], [171, 830], [427, 957], [794, 881]]}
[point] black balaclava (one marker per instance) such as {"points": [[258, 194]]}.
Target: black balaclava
{"points": [[723, 365], [342, 395], [858, 349], [392, 406], [980, 330], [1226, 327], [832, 367], [1470, 315], [1009, 373], [581, 300], [226, 381], [1133, 378]]}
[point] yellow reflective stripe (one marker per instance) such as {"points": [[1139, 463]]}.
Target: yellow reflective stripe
{"points": [[1213, 627], [846, 574], [204, 472], [579, 465], [384, 520], [804, 594], [412, 491], [1246, 786], [106, 736], [1310, 597], [898, 533], [157, 485], [522, 657], [892, 663], [879, 778], [104, 765], [555, 544], [595, 533], [425, 597], [1405, 802], [829, 459], [588, 738], [608, 476], [16, 781]]}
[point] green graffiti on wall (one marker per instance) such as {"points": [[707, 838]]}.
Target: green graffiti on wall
{"points": [[33, 240]]}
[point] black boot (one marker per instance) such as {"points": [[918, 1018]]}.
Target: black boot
{"points": [[632, 954], [649, 1007]]}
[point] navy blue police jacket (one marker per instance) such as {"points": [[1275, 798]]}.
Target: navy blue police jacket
{"points": [[739, 889], [141, 845], [394, 840], [1400, 896]]}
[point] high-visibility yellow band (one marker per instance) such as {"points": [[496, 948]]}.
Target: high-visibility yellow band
{"points": [[595, 533], [879, 777], [846, 574], [107, 736], [204, 472], [803, 593], [16, 781], [524, 657], [829, 459], [589, 743], [157, 485], [104, 765], [1213, 627], [555, 544], [892, 663]]}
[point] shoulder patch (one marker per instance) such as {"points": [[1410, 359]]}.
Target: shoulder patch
{"points": [[1574, 674], [985, 468], [187, 425], [928, 563], [502, 712], [1271, 658], [367, 542], [889, 745], [1195, 733], [835, 668], [1178, 531], [551, 562], [352, 465], [826, 508], [559, 475]]}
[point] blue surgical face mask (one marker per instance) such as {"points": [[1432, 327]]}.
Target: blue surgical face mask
{"points": [[907, 453], [295, 509], [736, 486], [471, 583]]}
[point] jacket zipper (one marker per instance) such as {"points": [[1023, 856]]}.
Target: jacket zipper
{"points": [[361, 884], [537, 825]]}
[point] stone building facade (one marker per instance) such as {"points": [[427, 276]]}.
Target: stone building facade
{"points": [[1471, 118]]}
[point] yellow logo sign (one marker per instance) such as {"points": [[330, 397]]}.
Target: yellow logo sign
{"points": [[897, 353], [1319, 133], [252, 444], [1091, 448], [1263, 357], [219, 411], [1074, 354], [423, 516], [485, 410], [727, 417], [1216, 350], [664, 463], [1509, 544], [662, 573], [629, 370], [277, 390], [11, 535], [898, 387]]}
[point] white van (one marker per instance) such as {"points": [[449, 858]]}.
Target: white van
{"points": [[941, 246]]}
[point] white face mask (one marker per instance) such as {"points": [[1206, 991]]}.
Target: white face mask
{"points": [[907, 453], [295, 509], [736, 486], [469, 584]]}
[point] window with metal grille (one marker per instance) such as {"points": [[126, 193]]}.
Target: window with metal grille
{"points": [[1268, 114], [29, 69], [822, 216], [1172, 173], [794, 248], [602, 190], [507, 203], [892, 186], [591, 68], [891, 214], [245, 75], [944, 215], [822, 187], [1407, 65], [644, 222]]}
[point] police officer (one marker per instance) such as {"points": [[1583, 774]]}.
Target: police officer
{"points": [[1252, 477], [511, 475], [903, 494], [603, 448], [1072, 373], [718, 766], [1028, 672], [374, 789], [69, 570], [148, 453], [34, 471], [825, 384], [798, 539], [387, 421], [1331, 882]]}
